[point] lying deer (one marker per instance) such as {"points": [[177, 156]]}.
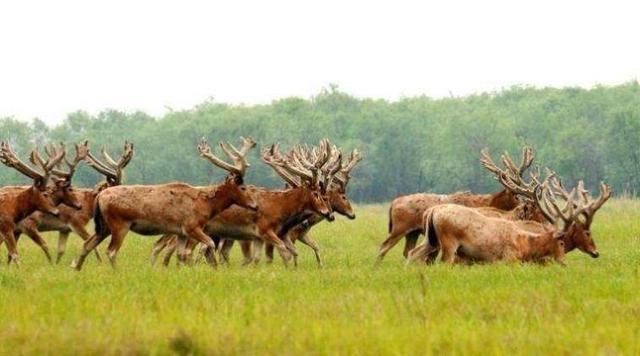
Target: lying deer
{"points": [[175, 208], [466, 233], [72, 219], [406, 212], [276, 208], [17, 202]]}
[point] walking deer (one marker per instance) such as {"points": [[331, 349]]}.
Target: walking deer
{"points": [[72, 219], [175, 208], [337, 199], [18, 202], [307, 180]]}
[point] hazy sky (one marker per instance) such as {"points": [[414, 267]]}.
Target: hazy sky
{"points": [[60, 56]]}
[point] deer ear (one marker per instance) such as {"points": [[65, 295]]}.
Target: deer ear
{"points": [[40, 183], [62, 183]]}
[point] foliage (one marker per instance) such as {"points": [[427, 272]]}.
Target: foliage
{"points": [[414, 144]]}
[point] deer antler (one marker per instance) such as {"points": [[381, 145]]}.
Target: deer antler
{"points": [[82, 151], [333, 166], [111, 169], [271, 156], [344, 175], [590, 206], [512, 177], [10, 159], [240, 163]]}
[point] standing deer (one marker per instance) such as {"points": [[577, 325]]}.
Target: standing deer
{"points": [[406, 212], [16, 203], [175, 208], [71, 219], [276, 208]]}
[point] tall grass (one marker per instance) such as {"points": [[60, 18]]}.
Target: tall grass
{"points": [[590, 307]]}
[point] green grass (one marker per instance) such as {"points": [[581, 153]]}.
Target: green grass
{"points": [[590, 307]]}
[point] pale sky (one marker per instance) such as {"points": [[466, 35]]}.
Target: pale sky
{"points": [[61, 56]]}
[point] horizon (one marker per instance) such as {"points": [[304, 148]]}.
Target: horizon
{"points": [[451, 95]]}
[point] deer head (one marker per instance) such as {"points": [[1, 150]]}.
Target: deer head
{"points": [[233, 187], [45, 198], [572, 210], [64, 177], [308, 166], [337, 193]]}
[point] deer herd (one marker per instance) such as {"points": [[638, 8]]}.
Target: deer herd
{"points": [[532, 219]]}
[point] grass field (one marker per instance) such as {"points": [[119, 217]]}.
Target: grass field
{"points": [[590, 307]]}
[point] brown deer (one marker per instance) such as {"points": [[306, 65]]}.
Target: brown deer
{"points": [[16, 203], [471, 236], [175, 208], [406, 212], [337, 198], [307, 180], [71, 219]]}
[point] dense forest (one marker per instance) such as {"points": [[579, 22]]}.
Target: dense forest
{"points": [[410, 145]]}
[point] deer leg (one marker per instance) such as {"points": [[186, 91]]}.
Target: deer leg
{"points": [[245, 247], [225, 250], [305, 239], [421, 253], [10, 240], [198, 235], [89, 245], [271, 237], [170, 250], [158, 247], [268, 252], [256, 247], [118, 233], [181, 247], [393, 238], [80, 229], [34, 235], [410, 241], [449, 249], [63, 236]]}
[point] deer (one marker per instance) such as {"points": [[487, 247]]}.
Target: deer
{"points": [[406, 212], [337, 198], [278, 208], [176, 208], [18, 202], [466, 233], [71, 219]]}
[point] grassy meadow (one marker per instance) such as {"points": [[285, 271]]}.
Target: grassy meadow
{"points": [[590, 307]]}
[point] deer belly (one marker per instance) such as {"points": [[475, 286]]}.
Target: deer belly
{"points": [[484, 252], [53, 224], [150, 228], [234, 232]]}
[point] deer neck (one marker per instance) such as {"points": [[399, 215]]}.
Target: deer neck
{"points": [[569, 240], [540, 246], [292, 202], [24, 203], [501, 200]]}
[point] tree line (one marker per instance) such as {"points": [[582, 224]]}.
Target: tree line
{"points": [[410, 145]]}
